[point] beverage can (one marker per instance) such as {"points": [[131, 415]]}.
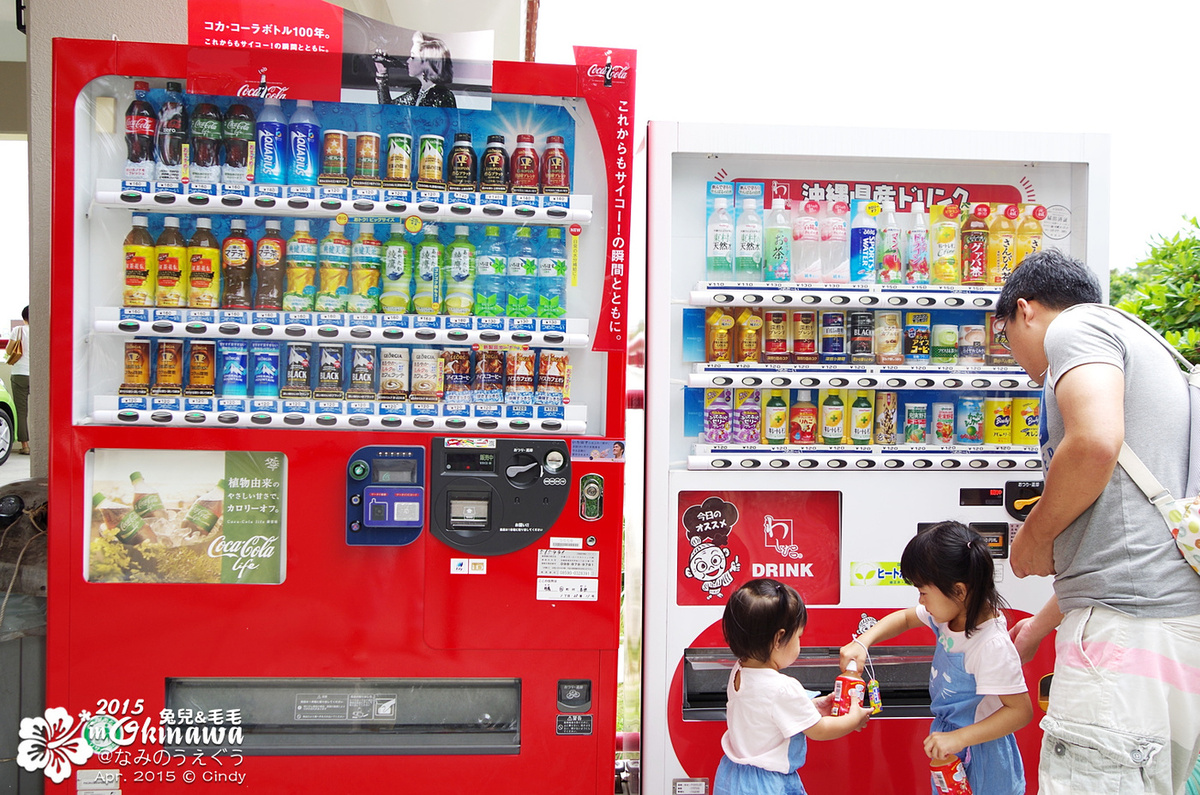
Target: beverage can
{"points": [[462, 165], [431, 155], [886, 407], [233, 358], [334, 144], [804, 337], [330, 363], [399, 157], [916, 337], [970, 345], [889, 344], [168, 366], [553, 367], [718, 420], [942, 423], [366, 154], [456, 373], [525, 171], [493, 166], [944, 349], [202, 368], [862, 336], [488, 384], [556, 172], [521, 369], [996, 345], [266, 369], [968, 420], [915, 417], [997, 419], [363, 360], [393, 373], [297, 379], [833, 335], [426, 383], [137, 367], [775, 337], [1026, 421]]}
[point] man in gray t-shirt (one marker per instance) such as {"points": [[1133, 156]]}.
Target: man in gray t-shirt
{"points": [[1124, 712]]}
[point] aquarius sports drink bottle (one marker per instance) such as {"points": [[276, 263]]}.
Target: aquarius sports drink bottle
{"points": [[304, 143], [270, 156]]}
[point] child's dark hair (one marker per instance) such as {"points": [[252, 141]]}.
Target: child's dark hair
{"points": [[755, 614], [950, 552]]}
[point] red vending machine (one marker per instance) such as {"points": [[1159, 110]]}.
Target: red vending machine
{"points": [[807, 416], [337, 426]]}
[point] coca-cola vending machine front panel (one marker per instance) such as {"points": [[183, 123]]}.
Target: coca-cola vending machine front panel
{"points": [[378, 401]]}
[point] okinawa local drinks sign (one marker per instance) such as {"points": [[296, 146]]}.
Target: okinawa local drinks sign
{"points": [[186, 516], [727, 538]]}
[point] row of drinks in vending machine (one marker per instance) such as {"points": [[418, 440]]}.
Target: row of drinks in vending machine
{"points": [[864, 241], [508, 272], [188, 139], [866, 417], [945, 338], [339, 371]]}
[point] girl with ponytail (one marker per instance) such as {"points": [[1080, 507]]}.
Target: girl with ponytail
{"points": [[976, 687]]}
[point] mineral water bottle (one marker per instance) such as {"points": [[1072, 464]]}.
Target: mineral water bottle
{"points": [[270, 156], [835, 243], [304, 144], [552, 275], [890, 269], [491, 269], [427, 300], [397, 287], [522, 276], [806, 243], [719, 243], [748, 254], [459, 265], [916, 247], [777, 244], [864, 237]]}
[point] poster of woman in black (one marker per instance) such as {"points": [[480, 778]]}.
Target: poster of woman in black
{"points": [[429, 63]]}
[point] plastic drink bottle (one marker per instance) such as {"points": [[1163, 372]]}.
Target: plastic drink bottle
{"points": [[835, 243], [748, 251], [333, 262], [806, 243], [862, 417], [304, 144], [147, 503], [205, 143], [125, 523], [552, 275], [171, 135], [429, 293], [891, 268], [237, 266], [270, 134], [300, 291], [204, 267], [945, 247], [863, 241], [459, 277], [270, 267], [1029, 233], [974, 237], [366, 261], [833, 419], [205, 511], [491, 269], [141, 266], [1002, 245], [949, 776], [803, 425], [141, 125], [171, 252], [237, 131], [777, 243], [522, 276], [746, 419], [775, 419], [845, 687], [916, 247], [719, 243], [396, 295]]}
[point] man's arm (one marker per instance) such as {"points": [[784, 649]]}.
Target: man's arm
{"points": [[1091, 399]]}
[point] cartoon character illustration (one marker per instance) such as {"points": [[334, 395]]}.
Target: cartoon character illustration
{"points": [[710, 565], [865, 623]]}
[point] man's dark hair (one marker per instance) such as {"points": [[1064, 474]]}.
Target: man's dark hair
{"points": [[1051, 278]]}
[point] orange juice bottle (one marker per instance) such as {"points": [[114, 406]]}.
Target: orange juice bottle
{"points": [[1002, 245]]}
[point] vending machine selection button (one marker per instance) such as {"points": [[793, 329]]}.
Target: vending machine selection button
{"points": [[228, 418], [231, 201], [163, 326], [229, 328]]}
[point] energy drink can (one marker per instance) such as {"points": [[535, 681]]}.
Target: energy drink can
{"points": [[366, 155], [399, 157], [266, 369], [1026, 421], [234, 358], [362, 372], [334, 144], [393, 373], [297, 380], [997, 418]]}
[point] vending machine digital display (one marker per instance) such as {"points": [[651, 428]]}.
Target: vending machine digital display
{"points": [[823, 379], [339, 390]]}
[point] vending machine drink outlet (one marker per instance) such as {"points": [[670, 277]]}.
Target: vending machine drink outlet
{"points": [[823, 380], [337, 430]]}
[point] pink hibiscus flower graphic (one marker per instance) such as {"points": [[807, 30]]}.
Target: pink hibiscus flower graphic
{"points": [[50, 743]]}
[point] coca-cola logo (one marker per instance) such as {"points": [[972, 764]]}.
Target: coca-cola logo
{"points": [[263, 92], [245, 553], [615, 72], [140, 125]]}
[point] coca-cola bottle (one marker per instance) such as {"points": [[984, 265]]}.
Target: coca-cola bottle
{"points": [[238, 131], [171, 135], [141, 122], [206, 143]]}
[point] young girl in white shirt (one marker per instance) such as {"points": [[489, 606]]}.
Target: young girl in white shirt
{"points": [[769, 714]]}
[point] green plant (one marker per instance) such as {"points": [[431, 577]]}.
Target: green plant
{"points": [[1164, 289]]}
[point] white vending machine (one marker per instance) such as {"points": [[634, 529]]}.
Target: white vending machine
{"points": [[822, 380]]}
